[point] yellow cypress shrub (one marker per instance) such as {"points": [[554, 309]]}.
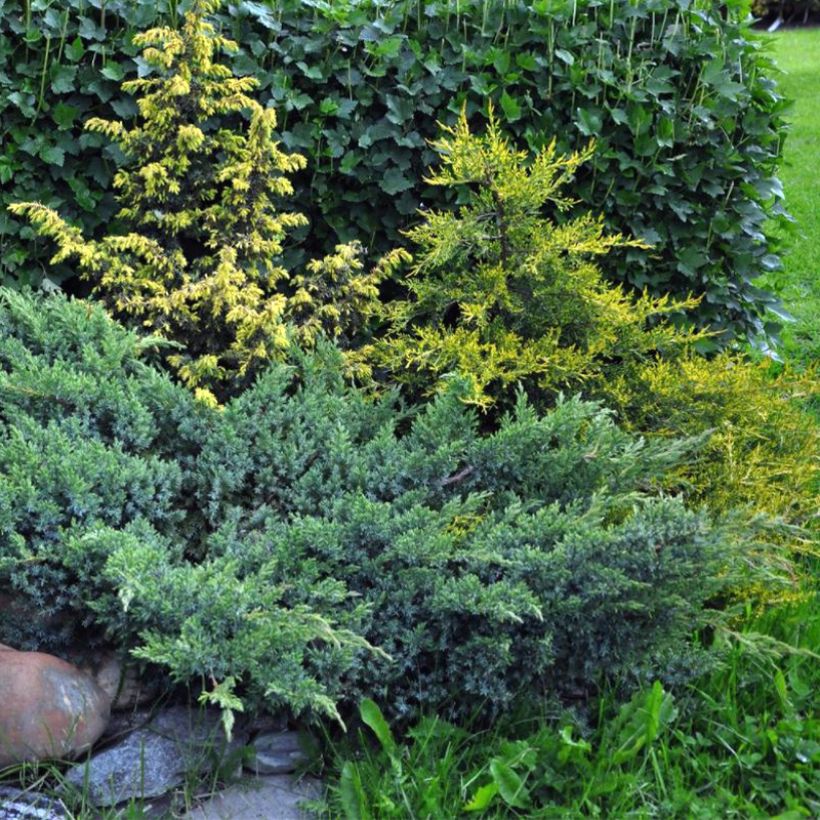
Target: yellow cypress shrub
{"points": [[201, 202], [499, 291]]}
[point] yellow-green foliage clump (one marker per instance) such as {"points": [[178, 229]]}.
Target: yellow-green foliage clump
{"points": [[764, 447], [763, 451], [499, 291], [201, 201]]}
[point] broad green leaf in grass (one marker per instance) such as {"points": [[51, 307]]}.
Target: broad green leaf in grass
{"points": [[351, 793], [373, 717], [571, 748], [640, 722], [510, 785]]}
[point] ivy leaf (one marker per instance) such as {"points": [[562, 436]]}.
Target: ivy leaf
{"points": [[589, 121], [7, 168], [53, 155], [639, 119], [312, 72], [299, 101], [89, 30], [510, 107], [125, 108], [261, 13], [25, 102], [482, 84], [64, 115], [666, 132], [526, 61], [399, 109], [85, 199], [113, 71], [349, 162], [619, 116], [388, 47], [690, 259], [394, 181], [100, 88], [62, 78], [345, 108], [74, 50]]}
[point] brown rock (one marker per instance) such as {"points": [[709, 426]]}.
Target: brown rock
{"points": [[48, 708]]}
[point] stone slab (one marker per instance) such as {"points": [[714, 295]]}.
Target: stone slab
{"points": [[153, 759], [276, 753], [272, 797], [16, 804]]}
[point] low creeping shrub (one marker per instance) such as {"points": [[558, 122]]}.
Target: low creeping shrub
{"points": [[277, 548]]}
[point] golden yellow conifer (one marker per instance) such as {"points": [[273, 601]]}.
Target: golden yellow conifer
{"points": [[200, 261]]}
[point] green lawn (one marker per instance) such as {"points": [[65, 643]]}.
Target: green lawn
{"points": [[797, 53]]}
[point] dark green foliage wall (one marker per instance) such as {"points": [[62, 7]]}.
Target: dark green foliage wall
{"points": [[283, 544], [677, 93]]}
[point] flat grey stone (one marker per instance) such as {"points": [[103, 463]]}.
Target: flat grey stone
{"points": [[274, 797], [276, 753], [153, 759], [16, 804]]}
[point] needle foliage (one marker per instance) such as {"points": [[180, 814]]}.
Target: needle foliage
{"points": [[201, 198]]}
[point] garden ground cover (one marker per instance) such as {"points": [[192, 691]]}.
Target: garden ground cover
{"points": [[332, 524], [797, 53]]}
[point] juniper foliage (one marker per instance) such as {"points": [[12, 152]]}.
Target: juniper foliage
{"points": [[501, 292], [306, 545]]}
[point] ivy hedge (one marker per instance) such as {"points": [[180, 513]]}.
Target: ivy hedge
{"points": [[677, 94]]}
